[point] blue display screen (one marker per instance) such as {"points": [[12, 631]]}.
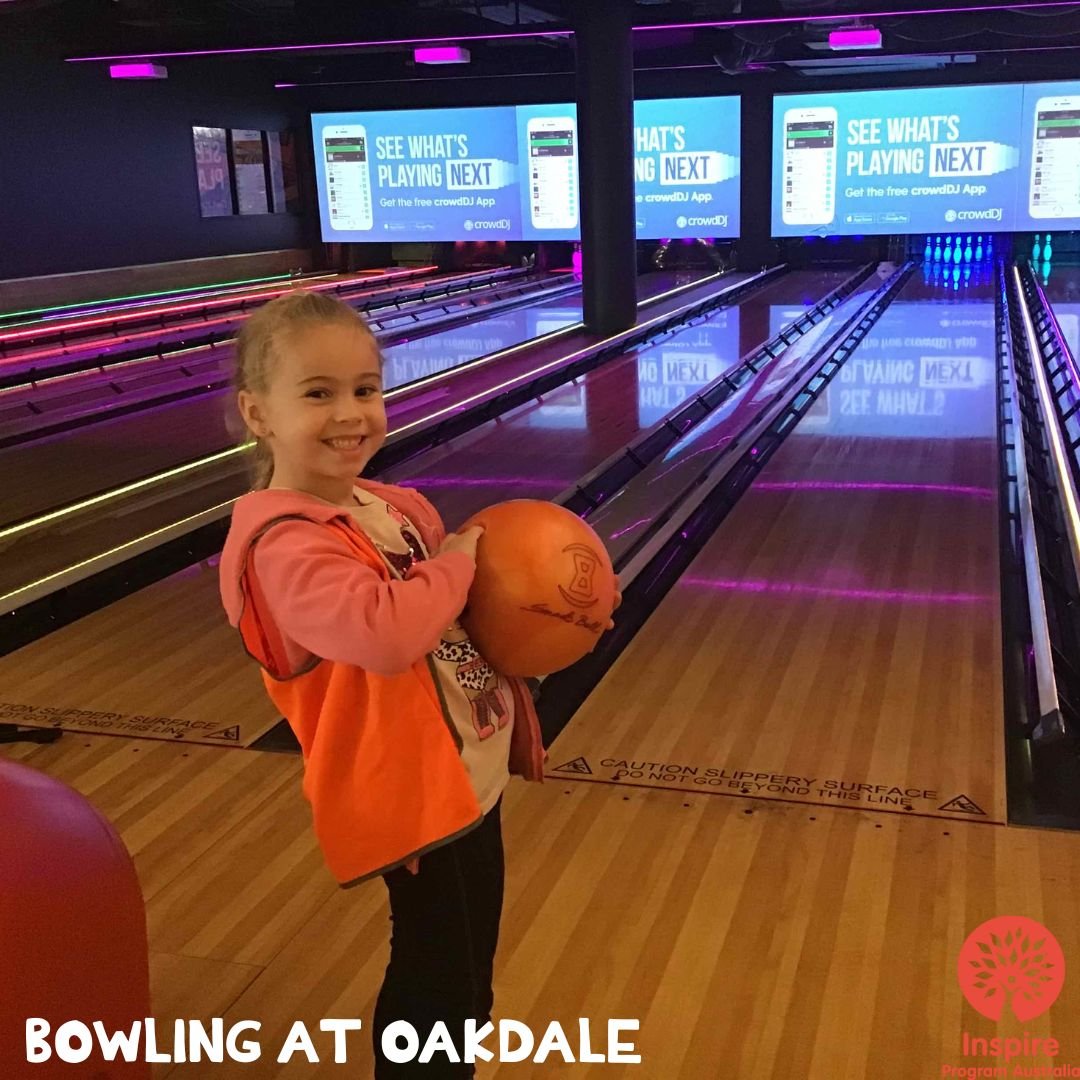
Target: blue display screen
{"points": [[935, 159], [511, 172]]}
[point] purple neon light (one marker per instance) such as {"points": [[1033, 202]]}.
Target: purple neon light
{"points": [[623, 532], [135, 71], [795, 588], [855, 38], [780, 19], [488, 481], [252, 49], [441, 54], [837, 485], [711, 23]]}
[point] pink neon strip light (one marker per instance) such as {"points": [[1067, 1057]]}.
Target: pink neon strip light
{"points": [[854, 39], [717, 23], [325, 45], [844, 485], [441, 54], [133, 71], [796, 588], [780, 19]]}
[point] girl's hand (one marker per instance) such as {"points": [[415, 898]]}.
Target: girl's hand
{"points": [[618, 601], [464, 542]]}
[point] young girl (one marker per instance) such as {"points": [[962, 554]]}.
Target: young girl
{"points": [[347, 593]]}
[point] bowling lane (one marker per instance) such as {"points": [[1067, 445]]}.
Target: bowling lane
{"points": [[838, 638], [204, 490], [1062, 289], [541, 448], [427, 354], [71, 465]]}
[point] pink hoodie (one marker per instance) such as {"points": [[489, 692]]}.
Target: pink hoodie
{"points": [[344, 650]]}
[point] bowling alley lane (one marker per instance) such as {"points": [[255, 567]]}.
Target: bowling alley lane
{"points": [[1062, 289], [85, 461], [113, 666], [544, 446], [837, 641]]}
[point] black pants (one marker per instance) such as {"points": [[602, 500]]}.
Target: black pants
{"points": [[445, 928]]}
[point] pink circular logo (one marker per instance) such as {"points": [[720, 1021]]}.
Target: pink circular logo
{"points": [[1011, 961]]}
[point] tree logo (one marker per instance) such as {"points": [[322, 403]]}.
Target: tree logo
{"points": [[1011, 962]]}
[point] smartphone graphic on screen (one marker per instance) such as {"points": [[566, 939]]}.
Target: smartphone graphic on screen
{"points": [[552, 177], [348, 177], [1054, 190], [808, 180]]}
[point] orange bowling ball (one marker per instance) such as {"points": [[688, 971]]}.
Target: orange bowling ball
{"points": [[544, 588]]}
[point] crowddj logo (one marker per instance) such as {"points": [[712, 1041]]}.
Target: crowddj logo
{"points": [[1014, 963], [581, 592]]}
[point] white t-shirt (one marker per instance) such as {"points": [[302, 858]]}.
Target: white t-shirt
{"points": [[479, 700]]}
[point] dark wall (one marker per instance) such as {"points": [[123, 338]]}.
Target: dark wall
{"points": [[97, 173]]}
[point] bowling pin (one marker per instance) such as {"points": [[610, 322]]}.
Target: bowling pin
{"points": [[948, 249], [937, 250], [990, 246], [1036, 251], [1048, 251], [967, 250], [978, 250], [928, 252]]}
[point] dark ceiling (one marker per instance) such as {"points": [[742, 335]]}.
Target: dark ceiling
{"points": [[759, 35]]}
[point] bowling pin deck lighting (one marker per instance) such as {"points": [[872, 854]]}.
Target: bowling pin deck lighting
{"points": [[949, 261]]}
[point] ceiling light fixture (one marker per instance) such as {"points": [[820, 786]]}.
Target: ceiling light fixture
{"points": [[719, 24], [854, 37], [138, 71], [441, 54]]}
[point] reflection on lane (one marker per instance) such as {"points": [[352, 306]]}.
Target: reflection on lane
{"points": [[1068, 317], [632, 509], [419, 357], [539, 449], [675, 369], [924, 370]]}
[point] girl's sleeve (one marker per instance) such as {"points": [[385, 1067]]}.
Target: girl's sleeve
{"points": [[337, 608]]}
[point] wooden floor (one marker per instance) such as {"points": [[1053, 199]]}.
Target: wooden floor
{"points": [[162, 663], [751, 939], [838, 640]]}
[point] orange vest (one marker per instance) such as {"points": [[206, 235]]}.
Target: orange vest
{"points": [[382, 765]]}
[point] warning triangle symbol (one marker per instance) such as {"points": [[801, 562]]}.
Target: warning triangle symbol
{"points": [[578, 765], [962, 805], [229, 734]]}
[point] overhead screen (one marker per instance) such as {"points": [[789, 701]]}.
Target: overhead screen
{"points": [[942, 159], [511, 172]]}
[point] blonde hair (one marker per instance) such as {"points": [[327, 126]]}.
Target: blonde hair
{"points": [[258, 349]]}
